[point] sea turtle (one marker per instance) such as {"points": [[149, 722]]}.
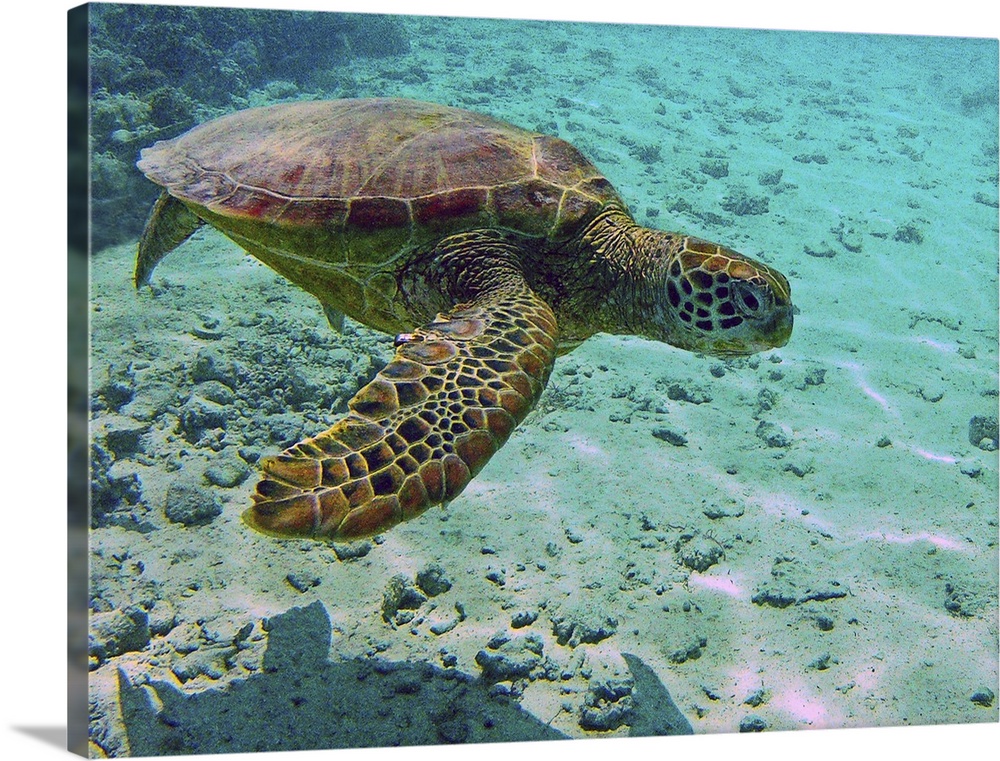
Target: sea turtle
{"points": [[489, 249]]}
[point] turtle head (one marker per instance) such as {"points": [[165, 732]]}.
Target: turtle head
{"points": [[720, 302]]}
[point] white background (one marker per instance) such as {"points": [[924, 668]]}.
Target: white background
{"points": [[33, 368]]}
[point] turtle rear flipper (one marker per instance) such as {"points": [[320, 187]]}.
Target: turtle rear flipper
{"points": [[417, 434], [333, 316], [170, 223]]}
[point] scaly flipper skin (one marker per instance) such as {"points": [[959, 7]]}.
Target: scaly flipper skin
{"points": [[417, 434]]}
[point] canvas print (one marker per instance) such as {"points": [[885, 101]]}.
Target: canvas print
{"points": [[466, 380]]}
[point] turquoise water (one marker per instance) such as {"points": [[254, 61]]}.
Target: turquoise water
{"points": [[751, 540]]}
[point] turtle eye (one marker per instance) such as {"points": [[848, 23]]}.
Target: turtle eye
{"points": [[748, 298]]}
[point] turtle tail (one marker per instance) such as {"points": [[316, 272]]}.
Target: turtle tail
{"points": [[170, 223], [417, 434]]}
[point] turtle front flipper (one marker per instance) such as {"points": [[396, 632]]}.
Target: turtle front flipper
{"points": [[417, 434]]}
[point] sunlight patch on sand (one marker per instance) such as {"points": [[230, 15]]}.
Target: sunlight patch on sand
{"points": [[938, 540], [928, 455], [731, 584], [792, 699], [868, 389], [944, 348]]}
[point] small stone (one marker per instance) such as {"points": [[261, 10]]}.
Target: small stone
{"points": [[698, 552], [523, 618], [811, 158], [443, 627], [227, 471], [211, 365], [243, 633], [823, 251], [162, 617], [824, 623], [191, 504], [774, 436], [822, 663], [352, 550], [118, 392], [691, 652], [757, 698], [849, 238], [209, 334], [302, 582], [671, 437], [249, 454], [799, 469], [983, 697], [815, 377], [883, 442], [741, 203], [400, 594], [770, 178], [199, 414], [792, 582], [752, 724], [576, 628], [215, 391], [716, 168], [932, 394], [971, 469], [958, 602], [117, 632], [766, 400], [715, 512], [125, 441], [608, 705], [122, 136], [500, 691], [152, 400], [710, 693], [984, 427], [514, 659], [497, 640], [677, 392], [404, 617], [908, 233], [432, 581]]}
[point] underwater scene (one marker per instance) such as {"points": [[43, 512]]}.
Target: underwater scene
{"points": [[644, 503]]}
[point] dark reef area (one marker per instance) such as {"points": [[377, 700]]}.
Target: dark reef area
{"points": [[156, 71]]}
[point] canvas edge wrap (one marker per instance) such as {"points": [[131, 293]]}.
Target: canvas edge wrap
{"points": [[78, 476]]}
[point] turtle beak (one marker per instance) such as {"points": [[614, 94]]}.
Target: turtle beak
{"points": [[770, 334]]}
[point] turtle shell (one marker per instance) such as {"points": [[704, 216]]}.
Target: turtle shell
{"points": [[367, 178]]}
